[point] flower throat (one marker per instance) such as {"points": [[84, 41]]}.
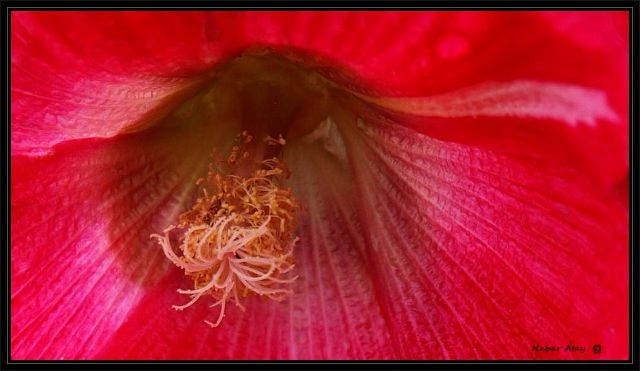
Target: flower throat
{"points": [[237, 239]]}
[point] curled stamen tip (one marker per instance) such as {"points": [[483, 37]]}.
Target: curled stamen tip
{"points": [[211, 324]]}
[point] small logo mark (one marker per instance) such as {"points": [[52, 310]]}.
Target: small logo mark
{"points": [[597, 348]]}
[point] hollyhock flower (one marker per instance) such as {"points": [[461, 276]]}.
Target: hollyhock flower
{"points": [[462, 178]]}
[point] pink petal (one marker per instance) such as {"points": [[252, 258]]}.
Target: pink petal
{"points": [[526, 118], [572, 105]]}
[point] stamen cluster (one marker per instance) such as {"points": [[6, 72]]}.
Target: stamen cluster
{"points": [[237, 240]]}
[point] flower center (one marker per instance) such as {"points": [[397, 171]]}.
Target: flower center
{"points": [[237, 239]]}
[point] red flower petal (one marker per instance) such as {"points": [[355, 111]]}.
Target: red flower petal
{"points": [[507, 235], [499, 253], [74, 272], [81, 74], [437, 251], [94, 74], [81, 218], [334, 312]]}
